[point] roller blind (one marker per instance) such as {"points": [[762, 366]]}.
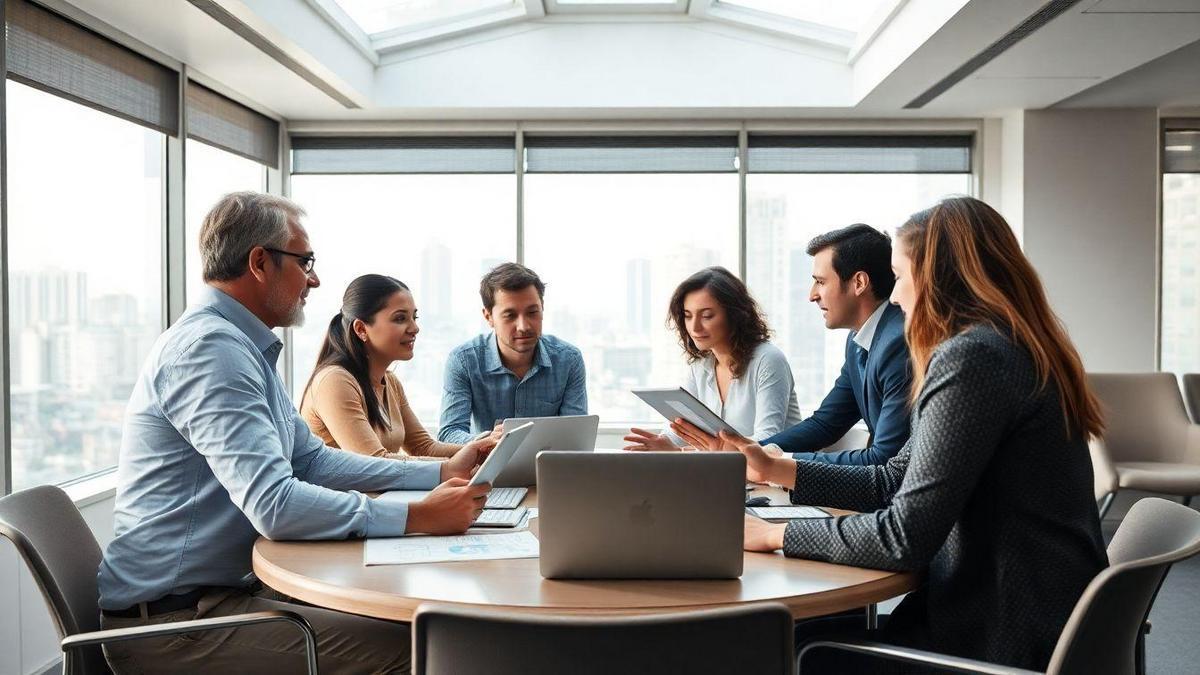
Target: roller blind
{"points": [[1181, 150], [229, 125], [46, 51], [858, 154], [631, 154], [416, 154]]}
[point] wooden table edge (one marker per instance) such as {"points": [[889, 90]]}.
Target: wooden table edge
{"points": [[401, 608]]}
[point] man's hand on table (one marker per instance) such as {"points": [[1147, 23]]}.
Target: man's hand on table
{"points": [[449, 509]]}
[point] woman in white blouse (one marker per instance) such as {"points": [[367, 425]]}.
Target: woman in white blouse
{"points": [[734, 369]]}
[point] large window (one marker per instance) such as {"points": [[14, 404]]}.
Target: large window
{"points": [[785, 211], [85, 285], [436, 233], [211, 174], [1181, 250], [612, 224], [611, 249]]}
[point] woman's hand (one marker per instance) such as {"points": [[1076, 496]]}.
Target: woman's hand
{"points": [[763, 536], [640, 439], [700, 440], [449, 509]]}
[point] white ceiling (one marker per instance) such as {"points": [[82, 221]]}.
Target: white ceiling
{"points": [[1099, 53]]}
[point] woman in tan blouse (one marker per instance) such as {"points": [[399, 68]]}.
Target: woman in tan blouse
{"points": [[352, 401]]}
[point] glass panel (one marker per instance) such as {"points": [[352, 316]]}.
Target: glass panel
{"points": [[212, 174], [1180, 281], [85, 289], [377, 16], [437, 234], [844, 14], [785, 211], [611, 249]]}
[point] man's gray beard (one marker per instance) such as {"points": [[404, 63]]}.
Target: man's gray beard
{"points": [[294, 317]]}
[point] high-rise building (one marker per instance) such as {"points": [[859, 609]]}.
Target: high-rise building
{"points": [[637, 296], [767, 255], [436, 274]]}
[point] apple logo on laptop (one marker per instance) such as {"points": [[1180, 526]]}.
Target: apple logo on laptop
{"points": [[642, 514]]}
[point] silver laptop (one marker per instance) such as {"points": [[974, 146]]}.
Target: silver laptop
{"points": [[644, 515], [571, 433]]}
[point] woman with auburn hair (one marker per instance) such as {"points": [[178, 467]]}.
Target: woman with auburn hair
{"points": [[352, 401], [991, 498], [733, 367]]}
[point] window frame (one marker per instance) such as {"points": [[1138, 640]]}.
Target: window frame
{"points": [[742, 128], [1165, 124], [173, 236]]}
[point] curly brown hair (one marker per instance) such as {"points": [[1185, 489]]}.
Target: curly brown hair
{"points": [[747, 325]]}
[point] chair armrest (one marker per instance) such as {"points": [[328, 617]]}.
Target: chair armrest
{"points": [[905, 654], [1104, 474], [214, 623]]}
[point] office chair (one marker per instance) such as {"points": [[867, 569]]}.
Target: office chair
{"points": [[750, 639], [1105, 631], [1150, 442], [63, 555]]}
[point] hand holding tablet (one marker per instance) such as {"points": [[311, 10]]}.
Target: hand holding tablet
{"points": [[498, 458], [676, 403]]}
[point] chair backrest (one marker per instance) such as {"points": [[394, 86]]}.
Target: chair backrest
{"points": [[1101, 635], [1144, 415], [749, 639], [1191, 395], [61, 552]]}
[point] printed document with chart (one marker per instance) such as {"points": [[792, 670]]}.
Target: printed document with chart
{"points": [[407, 550]]}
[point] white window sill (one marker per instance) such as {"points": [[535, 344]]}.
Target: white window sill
{"points": [[95, 488]]}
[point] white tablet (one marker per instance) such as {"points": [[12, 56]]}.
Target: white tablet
{"points": [[675, 403], [499, 456]]}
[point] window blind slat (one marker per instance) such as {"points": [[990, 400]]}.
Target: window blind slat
{"points": [[229, 125], [631, 154], [403, 155], [1181, 151], [51, 53], [859, 154]]}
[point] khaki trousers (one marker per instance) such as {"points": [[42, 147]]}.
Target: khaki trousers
{"points": [[346, 644]]}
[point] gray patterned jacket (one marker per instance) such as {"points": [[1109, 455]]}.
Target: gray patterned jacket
{"points": [[990, 498]]}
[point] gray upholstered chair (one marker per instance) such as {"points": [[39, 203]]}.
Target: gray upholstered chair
{"points": [[749, 639], [61, 552], [1150, 442], [1104, 632]]}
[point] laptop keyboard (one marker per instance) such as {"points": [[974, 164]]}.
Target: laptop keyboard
{"points": [[505, 498], [500, 518]]}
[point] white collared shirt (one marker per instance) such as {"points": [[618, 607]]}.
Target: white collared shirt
{"points": [[866, 334], [760, 403]]}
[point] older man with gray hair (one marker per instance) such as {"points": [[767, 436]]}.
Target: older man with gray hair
{"points": [[214, 454]]}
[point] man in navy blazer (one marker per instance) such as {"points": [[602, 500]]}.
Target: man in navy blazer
{"points": [[852, 279]]}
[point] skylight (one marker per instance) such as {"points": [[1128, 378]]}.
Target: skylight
{"points": [[378, 16], [847, 15]]}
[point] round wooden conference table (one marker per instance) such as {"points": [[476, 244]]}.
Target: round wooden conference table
{"points": [[331, 574]]}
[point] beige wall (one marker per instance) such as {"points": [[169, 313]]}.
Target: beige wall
{"points": [[1090, 205]]}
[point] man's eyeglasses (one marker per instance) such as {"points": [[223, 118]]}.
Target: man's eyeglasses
{"points": [[307, 260]]}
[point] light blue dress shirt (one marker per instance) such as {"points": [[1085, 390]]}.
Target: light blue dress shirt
{"points": [[479, 390], [214, 454]]}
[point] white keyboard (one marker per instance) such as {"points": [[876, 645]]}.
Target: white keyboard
{"points": [[500, 517], [787, 512], [505, 498]]}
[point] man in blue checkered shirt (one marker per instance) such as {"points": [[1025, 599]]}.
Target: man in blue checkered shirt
{"points": [[513, 371]]}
